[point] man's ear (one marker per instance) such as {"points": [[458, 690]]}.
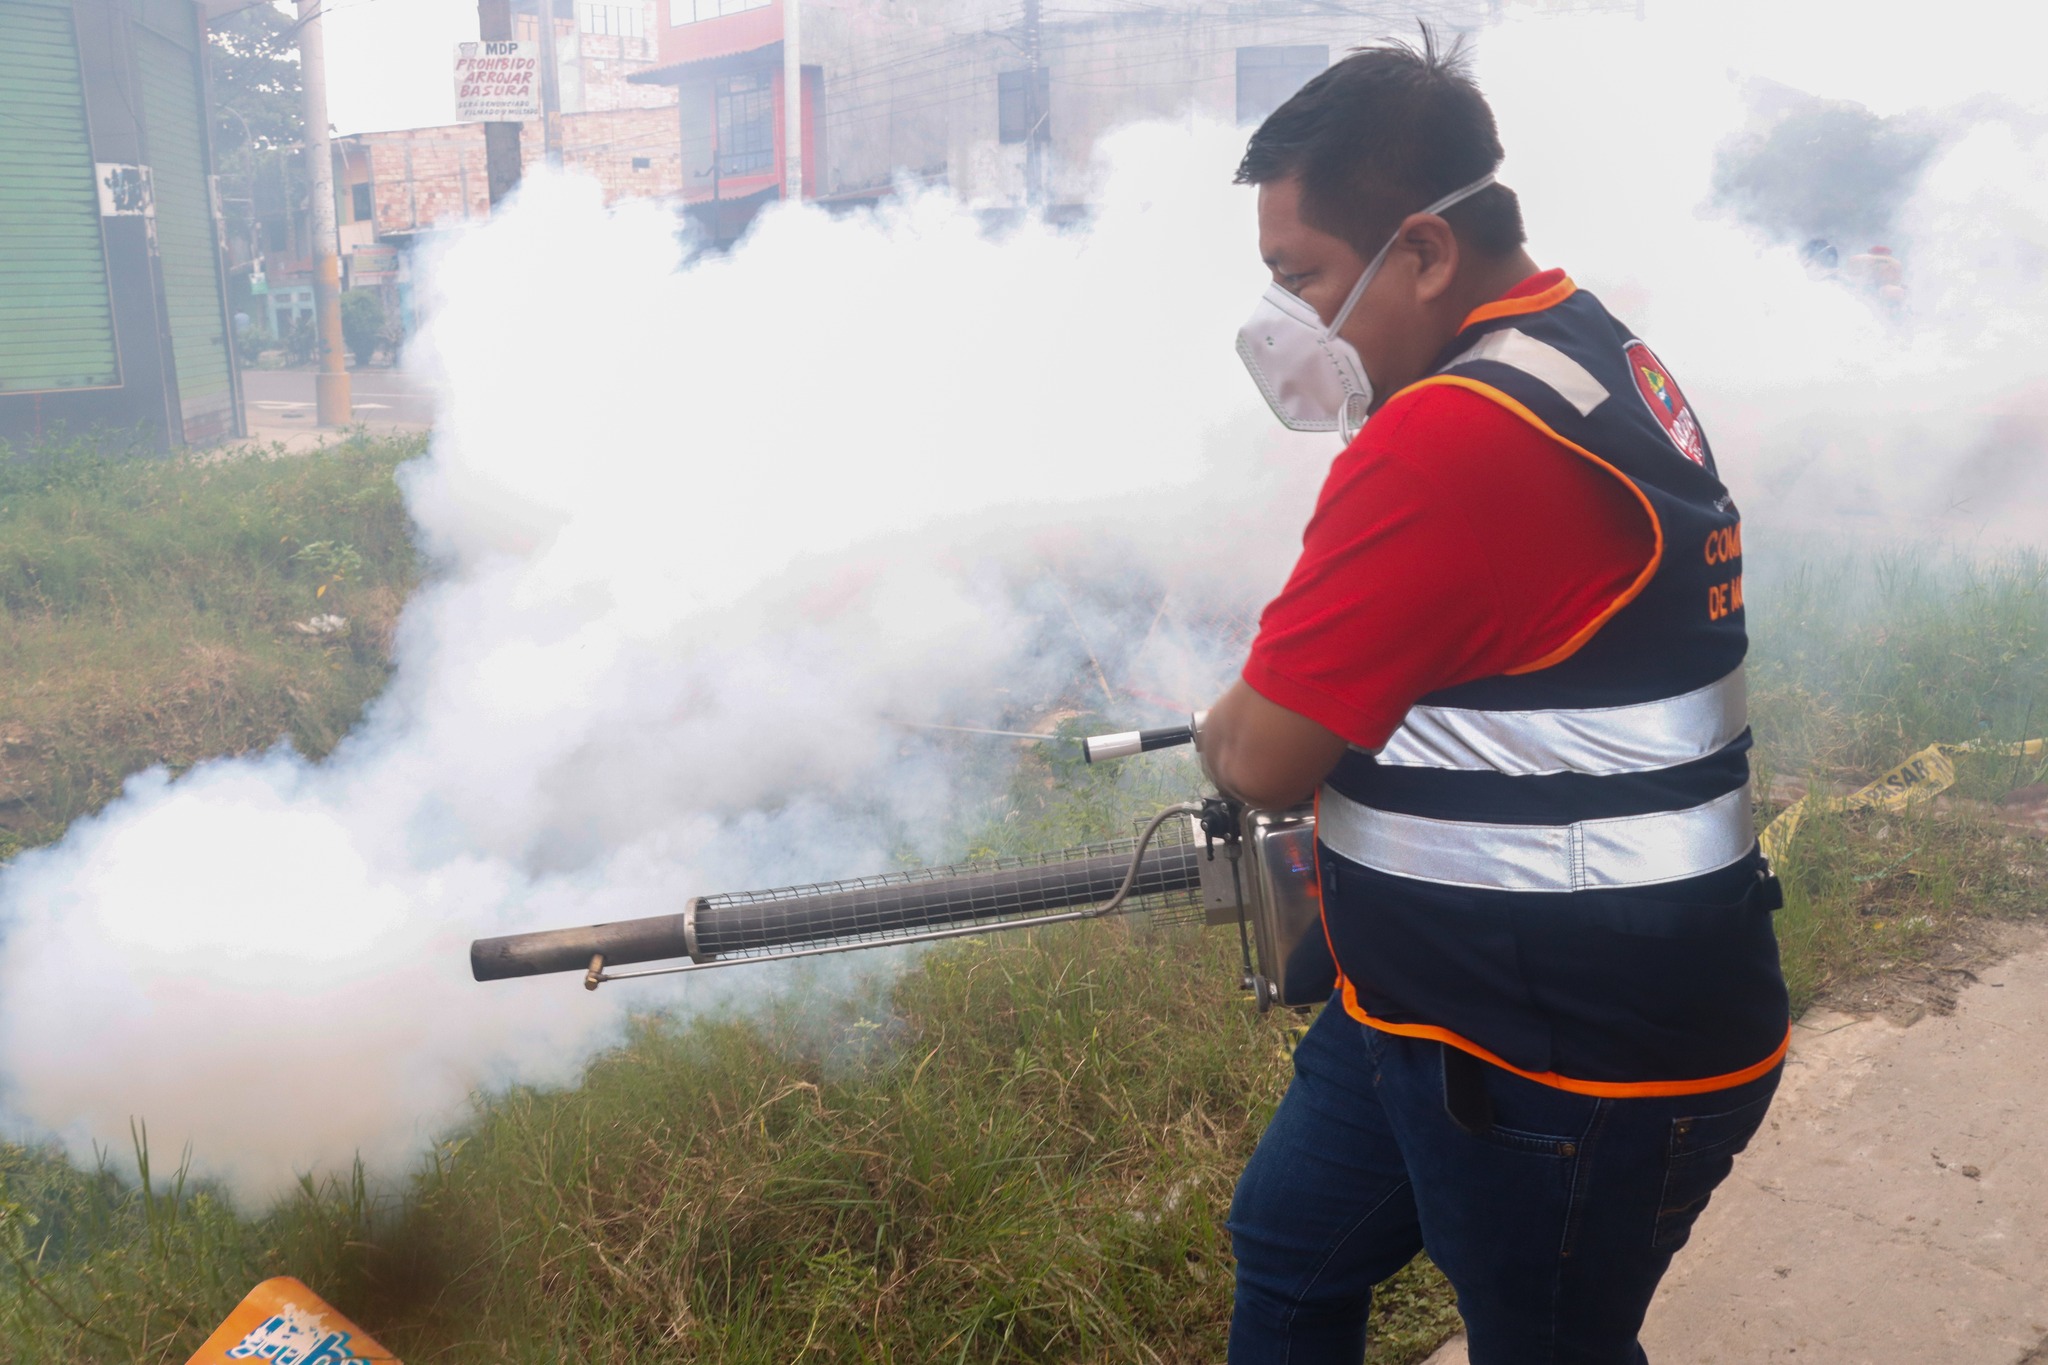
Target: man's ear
{"points": [[1435, 249]]}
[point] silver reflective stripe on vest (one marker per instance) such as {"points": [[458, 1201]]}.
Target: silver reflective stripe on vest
{"points": [[1542, 362], [1601, 741], [1632, 850]]}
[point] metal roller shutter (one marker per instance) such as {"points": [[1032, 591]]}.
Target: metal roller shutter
{"points": [[56, 317], [167, 61]]}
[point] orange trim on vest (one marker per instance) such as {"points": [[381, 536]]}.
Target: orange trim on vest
{"points": [[1642, 580], [1528, 303], [1606, 1090]]}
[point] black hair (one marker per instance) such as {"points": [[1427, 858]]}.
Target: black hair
{"points": [[1381, 134]]}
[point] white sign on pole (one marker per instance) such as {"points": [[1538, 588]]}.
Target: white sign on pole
{"points": [[497, 82]]}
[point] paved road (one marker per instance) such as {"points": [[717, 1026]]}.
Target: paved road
{"points": [[1892, 1210], [379, 396]]}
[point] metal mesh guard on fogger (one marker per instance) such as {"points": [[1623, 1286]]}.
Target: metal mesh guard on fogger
{"points": [[861, 912]]}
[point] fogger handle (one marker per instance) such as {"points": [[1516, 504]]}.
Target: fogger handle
{"points": [[1124, 743]]}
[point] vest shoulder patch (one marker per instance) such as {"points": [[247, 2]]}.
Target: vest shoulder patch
{"points": [[1666, 403]]}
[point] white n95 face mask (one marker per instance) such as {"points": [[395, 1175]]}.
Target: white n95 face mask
{"points": [[1311, 377]]}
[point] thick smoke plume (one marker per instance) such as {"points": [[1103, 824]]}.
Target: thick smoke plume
{"points": [[698, 537], [1829, 410], [702, 533]]}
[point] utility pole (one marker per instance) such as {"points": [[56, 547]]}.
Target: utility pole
{"points": [[501, 140], [792, 104], [1034, 115], [331, 404], [550, 86]]}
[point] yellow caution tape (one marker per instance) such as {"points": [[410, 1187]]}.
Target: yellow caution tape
{"points": [[1925, 774]]}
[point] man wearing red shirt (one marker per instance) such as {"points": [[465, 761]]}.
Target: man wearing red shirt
{"points": [[1509, 667], [1455, 527]]}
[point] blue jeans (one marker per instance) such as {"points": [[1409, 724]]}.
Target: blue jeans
{"points": [[1554, 1220]]}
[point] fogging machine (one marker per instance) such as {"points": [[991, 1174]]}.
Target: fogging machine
{"points": [[1216, 860]]}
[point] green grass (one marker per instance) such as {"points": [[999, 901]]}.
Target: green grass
{"points": [[94, 1267], [147, 609], [1860, 659], [1018, 1150], [1869, 893]]}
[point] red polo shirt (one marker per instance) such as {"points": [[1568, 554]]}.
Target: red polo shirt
{"points": [[1451, 541]]}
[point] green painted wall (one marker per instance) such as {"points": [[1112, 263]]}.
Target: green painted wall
{"points": [[56, 319], [174, 130]]}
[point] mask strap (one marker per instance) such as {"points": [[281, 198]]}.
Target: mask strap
{"points": [[1372, 268]]}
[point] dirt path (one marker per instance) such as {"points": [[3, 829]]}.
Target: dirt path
{"points": [[1894, 1210]]}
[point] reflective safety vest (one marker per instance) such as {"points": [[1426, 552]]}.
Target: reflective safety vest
{"points": [[1556, 869]]}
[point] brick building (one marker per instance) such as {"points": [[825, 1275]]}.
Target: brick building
{"points": [[413, 180], [393, 187]]}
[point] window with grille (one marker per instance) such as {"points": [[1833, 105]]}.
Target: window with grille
{"points": [[682, 12], [1016, 119], [1266, 76], [746, 123], [359, 203], [613, 21]]}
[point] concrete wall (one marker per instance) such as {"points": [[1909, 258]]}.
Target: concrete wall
{"points": [[902, 86]]}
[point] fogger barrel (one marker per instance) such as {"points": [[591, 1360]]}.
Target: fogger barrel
{"points": [[873, 910]]}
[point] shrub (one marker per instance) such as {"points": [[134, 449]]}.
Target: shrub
{"points": [[301, 340], [252, 341], [362, 323]]}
